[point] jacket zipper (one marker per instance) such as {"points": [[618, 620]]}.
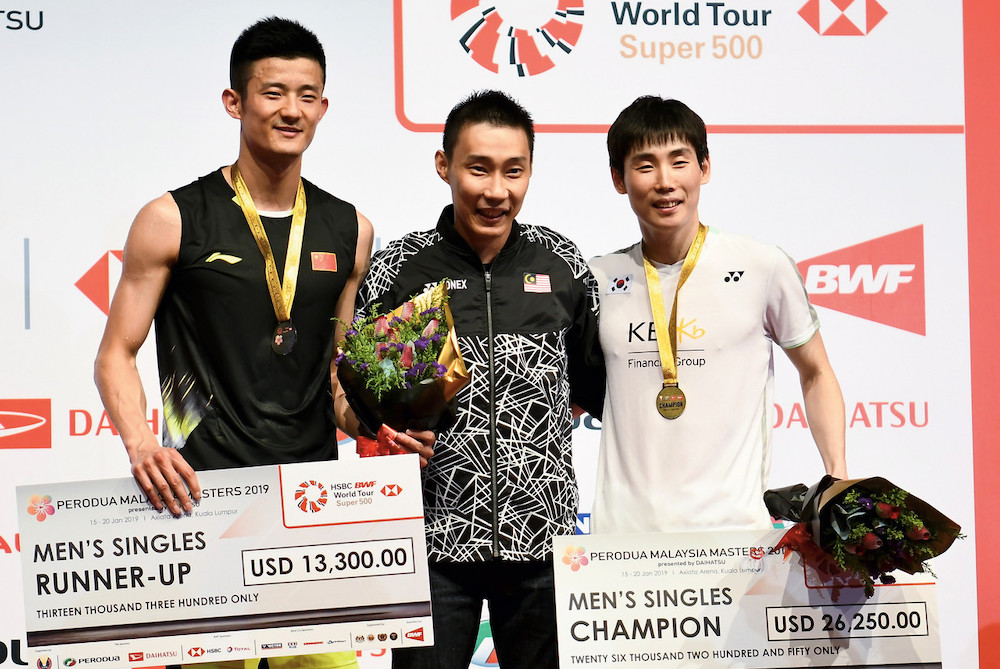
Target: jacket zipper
{"points": [[494, 492]]}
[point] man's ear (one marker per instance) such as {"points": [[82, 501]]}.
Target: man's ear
{"points": [[233, 103], [706, 170], [441, 165], [618, 180]]}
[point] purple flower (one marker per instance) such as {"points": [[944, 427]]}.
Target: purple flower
{"points": [[421, 343], [867, 503]]}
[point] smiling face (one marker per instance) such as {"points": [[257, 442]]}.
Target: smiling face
{"points": [[282, 105], [488, 171], [663, 183]]}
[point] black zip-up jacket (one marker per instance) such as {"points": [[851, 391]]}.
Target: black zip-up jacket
{"points": [[501, 482]]}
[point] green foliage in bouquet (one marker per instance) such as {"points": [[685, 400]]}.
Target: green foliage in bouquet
{"points": [[397, 350], [872, 530]]}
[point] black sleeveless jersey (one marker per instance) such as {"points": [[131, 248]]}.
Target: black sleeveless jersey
{"points": [[228, 399]]}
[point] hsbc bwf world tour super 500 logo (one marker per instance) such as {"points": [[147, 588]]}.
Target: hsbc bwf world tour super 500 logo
{"points": [[526, 37]]}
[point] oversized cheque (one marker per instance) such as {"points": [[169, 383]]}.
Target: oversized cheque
{"points": [[278, 560]]}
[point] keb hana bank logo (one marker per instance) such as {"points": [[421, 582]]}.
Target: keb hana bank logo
{"points": [[843, 17], [881, 280], [525, 37]]}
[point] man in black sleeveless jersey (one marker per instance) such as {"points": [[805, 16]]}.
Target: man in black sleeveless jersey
{"points": [[242, 272]]}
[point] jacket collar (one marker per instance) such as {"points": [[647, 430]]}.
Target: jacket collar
{"points": [[446, 227]]}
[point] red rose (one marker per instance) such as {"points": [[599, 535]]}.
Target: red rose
{"points": [[918, 533], [406, 311], [406, 358], [890, 511], [381, 326], [431, 328], [871, 542]]}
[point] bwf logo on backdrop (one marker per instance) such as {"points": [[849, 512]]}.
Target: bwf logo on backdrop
{"points": [[881, 280], [843, 17], [526, 37]]}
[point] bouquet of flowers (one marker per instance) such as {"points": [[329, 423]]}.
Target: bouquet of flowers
{"points": [[864, 527], [402, 369]]}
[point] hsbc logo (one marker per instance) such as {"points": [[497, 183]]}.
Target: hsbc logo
{"points": [[26, 423], [842, 17], [391, 490], [524, 37], [881, 280], [98, 281], [196, 651]]}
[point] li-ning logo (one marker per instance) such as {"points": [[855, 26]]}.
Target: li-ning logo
{"points": [[881, 280], [311, 496], [842, 17], [575, 557], [521, 36], [97, 281]]}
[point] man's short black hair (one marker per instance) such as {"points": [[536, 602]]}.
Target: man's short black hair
{"points": [[272, 37], [494, 108], [652, 120]]}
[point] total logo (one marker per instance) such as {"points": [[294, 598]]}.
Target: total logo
{"points": [[26, 423], [97, 282], [843, 17], [524, 37], [881, 280]]}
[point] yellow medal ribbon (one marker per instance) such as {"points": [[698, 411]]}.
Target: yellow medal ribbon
{"points": [[670, 401], [282, 292]]}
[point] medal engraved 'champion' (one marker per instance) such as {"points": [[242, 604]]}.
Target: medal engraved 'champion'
{"points": [[670, 401]]}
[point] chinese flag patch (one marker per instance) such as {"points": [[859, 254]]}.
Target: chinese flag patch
{"points": [[323, 261]]}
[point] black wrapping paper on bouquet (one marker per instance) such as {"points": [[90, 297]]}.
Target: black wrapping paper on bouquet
{"points": [[866, 527]]}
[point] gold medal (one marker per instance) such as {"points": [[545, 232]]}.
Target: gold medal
{"points": [[282, 293], [670, 402]]}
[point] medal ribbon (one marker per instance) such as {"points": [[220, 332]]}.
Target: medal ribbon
{"points": [[668, 345], [282, 293]]}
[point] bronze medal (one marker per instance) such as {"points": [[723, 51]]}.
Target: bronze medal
{"points": [[670, 402], [283, 340]]}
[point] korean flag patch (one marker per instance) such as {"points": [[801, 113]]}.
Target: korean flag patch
{"points": [[619, 284]]}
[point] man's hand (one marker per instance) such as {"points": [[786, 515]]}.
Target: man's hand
{"points": [[419, 442], [166, 478]]}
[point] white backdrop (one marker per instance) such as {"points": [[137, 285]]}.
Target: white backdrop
{"points": [[108, 104]]}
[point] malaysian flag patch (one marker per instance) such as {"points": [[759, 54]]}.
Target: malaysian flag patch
{"points": [[537, 283]]}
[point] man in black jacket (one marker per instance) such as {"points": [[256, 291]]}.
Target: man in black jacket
{"points": [[500, 483]]}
